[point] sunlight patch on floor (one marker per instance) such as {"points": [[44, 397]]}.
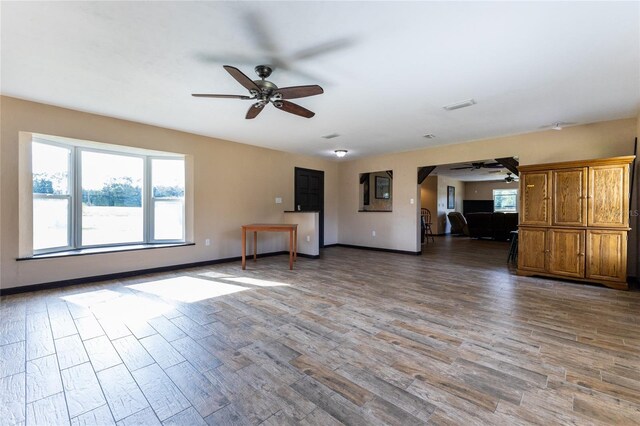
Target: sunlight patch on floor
{"points": [[187, 289], [211, 274], [90, 298], [131, 308]]}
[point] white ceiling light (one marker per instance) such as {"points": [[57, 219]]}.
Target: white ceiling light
{"points": [[461, 104], [557, 126], [340, 152]]}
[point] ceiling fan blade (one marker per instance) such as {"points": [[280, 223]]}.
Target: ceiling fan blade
{"points": [[224, 58], [255, 25], [294, 109], [254, 110], [322, 48], [462, 168], [294, 92], [241, 78], [211, 95], [493, 166]]}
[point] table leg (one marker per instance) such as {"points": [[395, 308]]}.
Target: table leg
{"points": [[255, 246], [244, 248], [291, 249], [295, 245]]}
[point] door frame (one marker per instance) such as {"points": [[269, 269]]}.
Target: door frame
{"points": [[320, 173]]}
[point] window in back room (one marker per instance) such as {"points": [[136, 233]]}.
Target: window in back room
{"points": [[505, 200]]}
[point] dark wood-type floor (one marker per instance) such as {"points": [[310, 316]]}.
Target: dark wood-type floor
{"points": [[357, 337]]}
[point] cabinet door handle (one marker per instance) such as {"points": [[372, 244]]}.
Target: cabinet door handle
{"points": [[580, 254], [547, 251]]}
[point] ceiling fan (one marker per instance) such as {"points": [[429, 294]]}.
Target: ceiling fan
{"points": [[558, 125], [266, 46], [265, 92], [479, 165], [510, 178]]}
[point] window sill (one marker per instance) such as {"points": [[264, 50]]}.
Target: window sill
{"points": [[102, 250]]}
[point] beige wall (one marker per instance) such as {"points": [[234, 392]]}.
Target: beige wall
{"points": [[399, 230], [484, 190], [249, 178], [234, 184], [433, 196], [429, 199], [442, 223]]}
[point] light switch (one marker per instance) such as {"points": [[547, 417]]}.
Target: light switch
{"points": [[278, 200]]}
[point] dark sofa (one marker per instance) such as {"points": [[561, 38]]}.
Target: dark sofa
{"points": [[458, 223], [492, 225]]}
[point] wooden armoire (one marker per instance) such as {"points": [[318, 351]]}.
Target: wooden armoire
{"points": [[574, 220]]}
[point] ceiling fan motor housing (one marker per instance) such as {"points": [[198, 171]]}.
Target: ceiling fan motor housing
{"points": [[263, 71]]}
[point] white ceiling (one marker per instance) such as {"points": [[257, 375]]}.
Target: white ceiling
{"points": [[526, 64]]}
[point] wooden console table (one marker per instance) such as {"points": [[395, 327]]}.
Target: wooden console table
{"points": [[292, 229]]}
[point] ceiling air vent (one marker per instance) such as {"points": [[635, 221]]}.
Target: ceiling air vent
{"points": [[458, 105], [331, 136]]}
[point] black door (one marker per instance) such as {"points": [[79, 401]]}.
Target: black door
{"points": [[309, 196]]}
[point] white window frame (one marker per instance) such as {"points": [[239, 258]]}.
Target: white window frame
{"points": [[70, 197], [494, 200], [152, 202], [74, 231], [78, 188]]}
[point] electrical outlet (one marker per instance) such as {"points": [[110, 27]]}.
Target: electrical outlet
{"points": [[373, 233], [308, 238], [207, 242], [411, 201], [278, 200]]}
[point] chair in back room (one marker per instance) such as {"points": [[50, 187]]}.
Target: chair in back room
{"points": [[425, 217]]}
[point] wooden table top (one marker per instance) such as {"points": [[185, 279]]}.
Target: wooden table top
{"points": [[267, 226]]}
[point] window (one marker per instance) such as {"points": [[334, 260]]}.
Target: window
{"points": [[85, 197], [51, 167], [111, 205], [505, 200], [167, 198]]}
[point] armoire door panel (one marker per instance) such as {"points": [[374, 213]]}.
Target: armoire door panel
{"points": [[609, 196], [570, 197], [535, 196], [607, 255], [566, 252], [532, 249]]}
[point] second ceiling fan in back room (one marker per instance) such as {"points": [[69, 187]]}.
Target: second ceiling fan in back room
{"points": [[479, 165], [265, 92]]}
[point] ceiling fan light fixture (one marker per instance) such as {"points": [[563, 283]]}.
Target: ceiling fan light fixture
{"points": [[557, 126], [510, 178], [460, 104], [340, 152]]}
